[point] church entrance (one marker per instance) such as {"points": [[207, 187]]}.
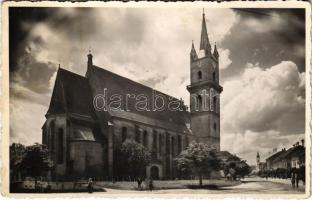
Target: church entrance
{"points": [[155, 173]]}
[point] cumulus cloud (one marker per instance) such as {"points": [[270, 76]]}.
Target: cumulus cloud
{"points": [[259, 98], [150, 46], [247, 144], [224, 59]]}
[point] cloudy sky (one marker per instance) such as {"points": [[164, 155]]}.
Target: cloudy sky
{"points": [[262, 61]]}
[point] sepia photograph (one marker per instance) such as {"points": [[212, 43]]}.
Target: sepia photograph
{"points": [[157, 99]]}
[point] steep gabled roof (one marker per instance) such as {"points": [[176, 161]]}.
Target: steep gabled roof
{"points": [[116, 84], [71, 94]]}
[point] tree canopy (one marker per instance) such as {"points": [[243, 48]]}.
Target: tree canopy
{"points": [[17, 153], [132, 159], [36, 160], [198, 158]]}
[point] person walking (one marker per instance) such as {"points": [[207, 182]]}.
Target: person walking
{"points": [[90, 185], [297, 179], [139, 181], [293, 179], [150, 184]]}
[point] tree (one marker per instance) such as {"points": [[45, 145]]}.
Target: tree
{"points": [[198, 158], [17, 154], [36, 160], [132, 159], [242, 168], [238, 166]]}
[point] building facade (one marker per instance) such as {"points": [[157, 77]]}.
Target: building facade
{"points": [[90, 116]]}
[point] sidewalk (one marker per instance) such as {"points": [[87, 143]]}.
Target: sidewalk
{"points": [[285, 181]]}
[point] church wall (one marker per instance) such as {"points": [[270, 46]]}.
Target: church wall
{"points": [[55, 128], [86, 158], [163, 149]]}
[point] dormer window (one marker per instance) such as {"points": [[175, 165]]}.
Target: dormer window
{"points": [[199, 75]]}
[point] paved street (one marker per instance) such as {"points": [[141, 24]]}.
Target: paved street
{"points": [[248, 186]]}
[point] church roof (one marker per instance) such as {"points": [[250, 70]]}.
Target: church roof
{"points": [[71, 94], [115, 84]]}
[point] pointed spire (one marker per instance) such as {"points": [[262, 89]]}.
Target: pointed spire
{"points": [[204, 40], [90, 62], [215, 51], [193, 53]]}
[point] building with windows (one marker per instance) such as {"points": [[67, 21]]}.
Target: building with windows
{"points": [[90, 116]]}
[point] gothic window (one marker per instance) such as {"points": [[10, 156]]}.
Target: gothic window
{"points": [[199, 75], [145, 138], [155, 150], [167, 143], [199, 101], [215, 126], [215, 104], [60, 150], [154, 141], [172, 145], [137, 134], [124, 134], [52, 128], [186, 141], [160, 143], [214, 76], [179, 143]]}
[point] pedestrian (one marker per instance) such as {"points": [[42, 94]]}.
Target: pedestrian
{"points": [[90, 185], [297, 179], [139, 181], [293, 179], [150, 184]]}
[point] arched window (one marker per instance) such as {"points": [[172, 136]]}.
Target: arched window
{"points": [[199, 102], [215, 126], [179, 143], [60, 149], [199, 75], [215, 104], [145, 138], [214, 76], [167, 143], [124, 134], [160, 143], [172, 145], [52, 136], [155, 141], [137, 134]]}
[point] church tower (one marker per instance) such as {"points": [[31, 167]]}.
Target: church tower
{"points": [[205, 92]]}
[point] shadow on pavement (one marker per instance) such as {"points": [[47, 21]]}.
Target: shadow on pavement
{"points": [[208, 187]]}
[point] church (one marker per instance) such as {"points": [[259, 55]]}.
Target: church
{"points": [[82, 139]]}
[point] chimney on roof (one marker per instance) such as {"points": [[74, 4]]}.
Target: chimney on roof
{"points": [[297, 144], [302, 142]]}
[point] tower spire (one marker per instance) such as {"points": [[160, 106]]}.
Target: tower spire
{"points": [[204, 40], [90, 62], [215, 51], [193, 53]]}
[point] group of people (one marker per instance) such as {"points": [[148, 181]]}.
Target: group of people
{"points": [[149, 181], [295, 178]]}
